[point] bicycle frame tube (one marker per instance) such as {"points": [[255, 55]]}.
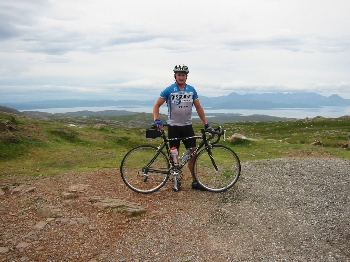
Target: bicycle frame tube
{"points": [[201, 144], [147, 167], [165, 144], [205, 142]]}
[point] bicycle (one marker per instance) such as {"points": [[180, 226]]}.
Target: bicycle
{"points": [[146, 168]]}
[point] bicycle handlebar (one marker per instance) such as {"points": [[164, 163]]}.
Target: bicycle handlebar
{"points": [[213, 131]]}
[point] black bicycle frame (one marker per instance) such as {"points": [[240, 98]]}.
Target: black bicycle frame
{"points": [[165, 144]]}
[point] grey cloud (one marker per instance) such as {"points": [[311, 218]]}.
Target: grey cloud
{"points": [[291, 44], [18, 21], [303, 44], [57, 60], [333, 45], [131, 38], [169, 41], [15, 15], [52, 42], [7, 31], [8, 24]]}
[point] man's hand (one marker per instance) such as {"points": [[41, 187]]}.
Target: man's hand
{"points": [[158, 123], [207, 126]]}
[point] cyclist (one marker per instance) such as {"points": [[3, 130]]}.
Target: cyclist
{"points": [[180, 98]]}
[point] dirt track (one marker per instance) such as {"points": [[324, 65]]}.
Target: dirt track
{"points": [[280, 210]]}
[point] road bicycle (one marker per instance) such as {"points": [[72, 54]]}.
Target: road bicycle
{"points": [[146, 168]]}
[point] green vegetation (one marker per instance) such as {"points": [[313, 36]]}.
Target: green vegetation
{"points": [[38, 147], [292, 138]]}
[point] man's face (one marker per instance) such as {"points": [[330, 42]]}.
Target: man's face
{"points": [[180, 77]]}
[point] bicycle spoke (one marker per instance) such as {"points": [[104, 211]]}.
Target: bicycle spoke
{"points": [[143, 170], [217, 170]]}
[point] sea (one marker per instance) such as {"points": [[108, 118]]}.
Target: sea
{"points": [[299, 113]]}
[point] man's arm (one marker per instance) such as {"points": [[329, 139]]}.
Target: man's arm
{"points": [[200, 111], [156, 107]]}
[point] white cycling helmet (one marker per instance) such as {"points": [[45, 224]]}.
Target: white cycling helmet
{"points": [[181, 68]]}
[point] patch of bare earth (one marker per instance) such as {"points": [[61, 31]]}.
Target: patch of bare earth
{"points": [[279, 210]]}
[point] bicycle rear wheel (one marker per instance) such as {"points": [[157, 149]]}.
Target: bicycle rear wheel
{"points": [[217, 169], [144, 169]]}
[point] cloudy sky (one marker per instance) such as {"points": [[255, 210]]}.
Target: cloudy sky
{"points": [[122, 49]]}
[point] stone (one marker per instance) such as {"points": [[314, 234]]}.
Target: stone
{"points": [[99, 126], [16, 189], [28, 190], [82, 220], [118, 205], [40, 224], [317, 143], [69, 195], [23, 245], [47, 212], [40, 248], [236, 137], [32, 236], [4, 250], [63, 220], [80, 188], [343, 144]]}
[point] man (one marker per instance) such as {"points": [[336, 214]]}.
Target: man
{"points": [[180, 98]]}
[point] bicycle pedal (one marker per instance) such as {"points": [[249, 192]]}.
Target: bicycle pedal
{"points": [[175, 189]]}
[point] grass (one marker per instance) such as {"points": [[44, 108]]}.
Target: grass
{"points": [[291, 138], [37, 147]]}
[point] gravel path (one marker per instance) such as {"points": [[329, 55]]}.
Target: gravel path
{"points": [[290, 210], [279, 210]]}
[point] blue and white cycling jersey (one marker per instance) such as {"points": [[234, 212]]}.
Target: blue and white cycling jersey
{"points": [[179, 104]]}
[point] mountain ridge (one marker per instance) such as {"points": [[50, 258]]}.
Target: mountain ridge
{"points": [[230, 101]]}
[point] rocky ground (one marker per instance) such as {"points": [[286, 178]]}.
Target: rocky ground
{"points": [[295, 209]]}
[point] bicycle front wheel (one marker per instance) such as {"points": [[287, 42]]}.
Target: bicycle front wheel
{"points": [[217, 169], [144, 169]]}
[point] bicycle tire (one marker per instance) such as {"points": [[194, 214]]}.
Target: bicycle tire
{"points": [[145, 170], [227, 172]]}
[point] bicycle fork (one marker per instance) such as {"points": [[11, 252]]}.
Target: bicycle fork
{"points": [[212, 160]]}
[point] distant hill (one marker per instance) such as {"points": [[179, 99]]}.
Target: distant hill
{"points": [[232, 101], [70, 103], [274, 100], [6, 109]]}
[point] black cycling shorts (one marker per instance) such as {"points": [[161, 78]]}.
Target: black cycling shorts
{"points": [[179, 132]]}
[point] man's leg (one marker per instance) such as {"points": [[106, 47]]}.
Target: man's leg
{"points": [[191, 143], [191, 162], [195, 184]]}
